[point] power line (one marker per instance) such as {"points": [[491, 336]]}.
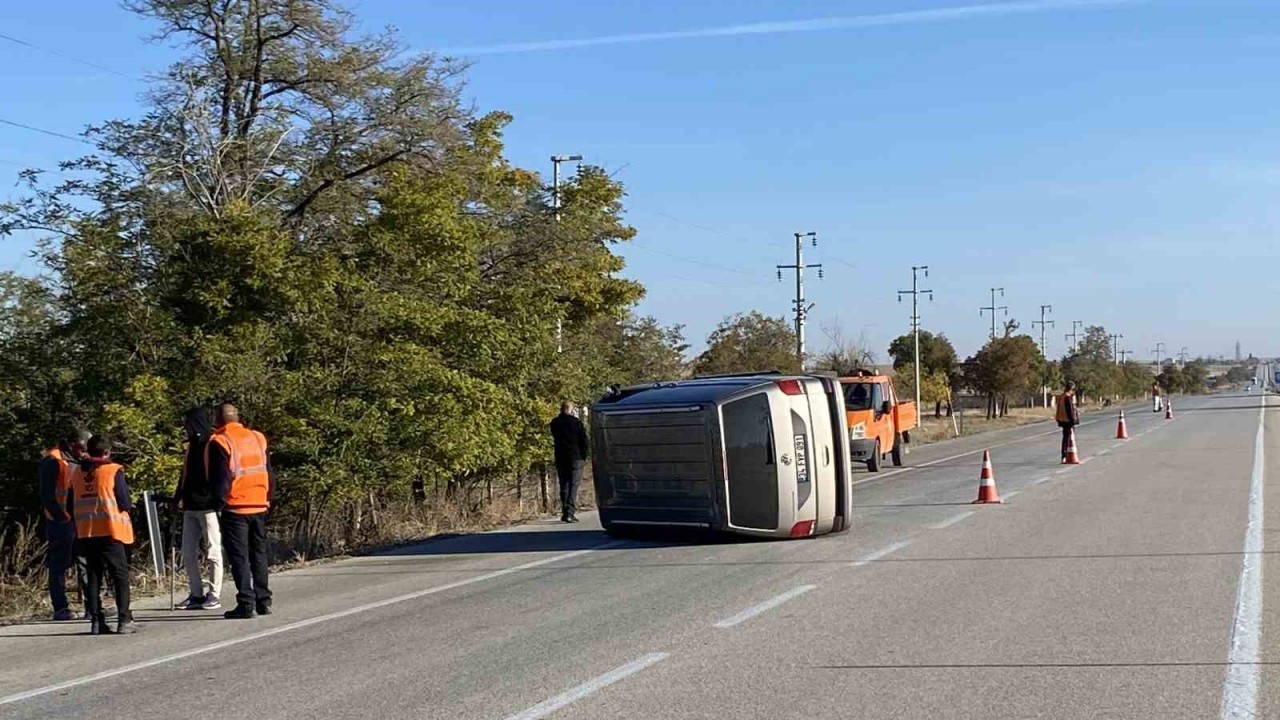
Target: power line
{"points": [[70, 58], [695, 261], [53, 133]]}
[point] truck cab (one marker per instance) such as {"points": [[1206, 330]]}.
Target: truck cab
{"points": [[879, 423]]}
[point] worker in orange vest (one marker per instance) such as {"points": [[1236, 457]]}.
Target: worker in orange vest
{"points": [[1068, 416], [59, 530], [237, 465], [1156, 403], [100, 506]]}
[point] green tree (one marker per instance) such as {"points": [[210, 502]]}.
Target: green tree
{"points": [[937, 354], [313, 226], [1005, 367], [1092, 367], [1239, 374], [935, 387], [749, 342]]}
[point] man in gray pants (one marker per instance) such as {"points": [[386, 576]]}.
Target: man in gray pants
{"points": [[200, 528]]}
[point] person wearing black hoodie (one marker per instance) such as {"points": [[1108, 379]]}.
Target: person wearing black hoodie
{"points": [[200, 527]]}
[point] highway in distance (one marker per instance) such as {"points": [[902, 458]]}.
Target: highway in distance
{"points": [[1143, 583]]}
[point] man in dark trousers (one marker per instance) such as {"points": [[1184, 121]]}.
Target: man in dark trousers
{"points": [[237, 464], [200, 529], [1067, 415], [101, 506], [55, 485], [571, 455]]}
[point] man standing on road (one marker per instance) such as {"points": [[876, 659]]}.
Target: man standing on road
{"points": [[1068, 416], [238, 467], [570, 439], [101, 506], [1156, 404], [59, 530], [200, 528]]}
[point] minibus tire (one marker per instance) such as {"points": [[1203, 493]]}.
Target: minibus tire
{"points": [[897, 450], [876, 460]]}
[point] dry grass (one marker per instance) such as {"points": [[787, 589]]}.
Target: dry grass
{"points": [[933, 429]]}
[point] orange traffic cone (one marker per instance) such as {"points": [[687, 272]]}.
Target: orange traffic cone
{"points": [[987, 482], [1073, 457], [1168, 410], [1122, 430]]}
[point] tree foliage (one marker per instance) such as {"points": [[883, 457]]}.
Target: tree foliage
{"points": [[842, 355], [1004, 367], [937, 354], [312, 225], [750, 342]]}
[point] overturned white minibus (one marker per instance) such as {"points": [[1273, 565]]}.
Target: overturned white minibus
{"points": [[763, 454]]}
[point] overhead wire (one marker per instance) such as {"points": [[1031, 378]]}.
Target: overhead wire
{"points": [[52, 133], [70, 58]]}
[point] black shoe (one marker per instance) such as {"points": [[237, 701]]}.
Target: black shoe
{"points": [[241, 612], [99, 626], [263, 609], [63, 615], [565, 519], [127, 627], [574, 519]]}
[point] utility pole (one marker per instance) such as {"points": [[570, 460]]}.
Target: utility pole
{"points": [[802, 310], [1073, 336], [1159, 353], [1115, 348], [1124, 355], [993, 308], [915, 292], [1182, 357], [555, 205], [1044, 351]]}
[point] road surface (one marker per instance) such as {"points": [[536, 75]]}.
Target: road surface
{"points": [[1141, 584]]}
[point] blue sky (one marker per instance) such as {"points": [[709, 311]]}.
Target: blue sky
{"points": [[1118, 160]]}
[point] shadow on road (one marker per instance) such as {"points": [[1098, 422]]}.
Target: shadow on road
{"points": [[541, 541]]}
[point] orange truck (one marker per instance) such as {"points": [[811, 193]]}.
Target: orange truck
{"points": [[879, 423]]}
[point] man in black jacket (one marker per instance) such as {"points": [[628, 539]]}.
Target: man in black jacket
{"points": [[200, 527], [571, 455]]}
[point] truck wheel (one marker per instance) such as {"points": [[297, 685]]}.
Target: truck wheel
{"points": [[874, 462], [897, 451]]}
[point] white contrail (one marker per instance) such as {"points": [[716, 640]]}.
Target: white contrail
{"points": [[797, 26]]}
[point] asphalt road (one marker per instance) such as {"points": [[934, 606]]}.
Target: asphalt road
{"points": [[1120, 588]]}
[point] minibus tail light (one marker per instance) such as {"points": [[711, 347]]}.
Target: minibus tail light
{"points": [[804, 528], [790, 387]]}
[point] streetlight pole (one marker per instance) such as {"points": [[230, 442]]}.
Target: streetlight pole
{"points": [[915, 292], [1115, 348], [802, 310], [555, 205], [993, 308]]}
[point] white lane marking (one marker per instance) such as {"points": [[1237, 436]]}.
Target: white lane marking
{"points": [[951, 521], [931, 463], [1240, 687], [551, 705], [1039, 480], [764, 607], [1059, 471], [882, 552], [320, 619], [1011, 493]]}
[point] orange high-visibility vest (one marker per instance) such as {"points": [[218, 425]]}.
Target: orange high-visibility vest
{"points": [[63, 483], [1061, 413], [93, 493], [247, 454]]}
